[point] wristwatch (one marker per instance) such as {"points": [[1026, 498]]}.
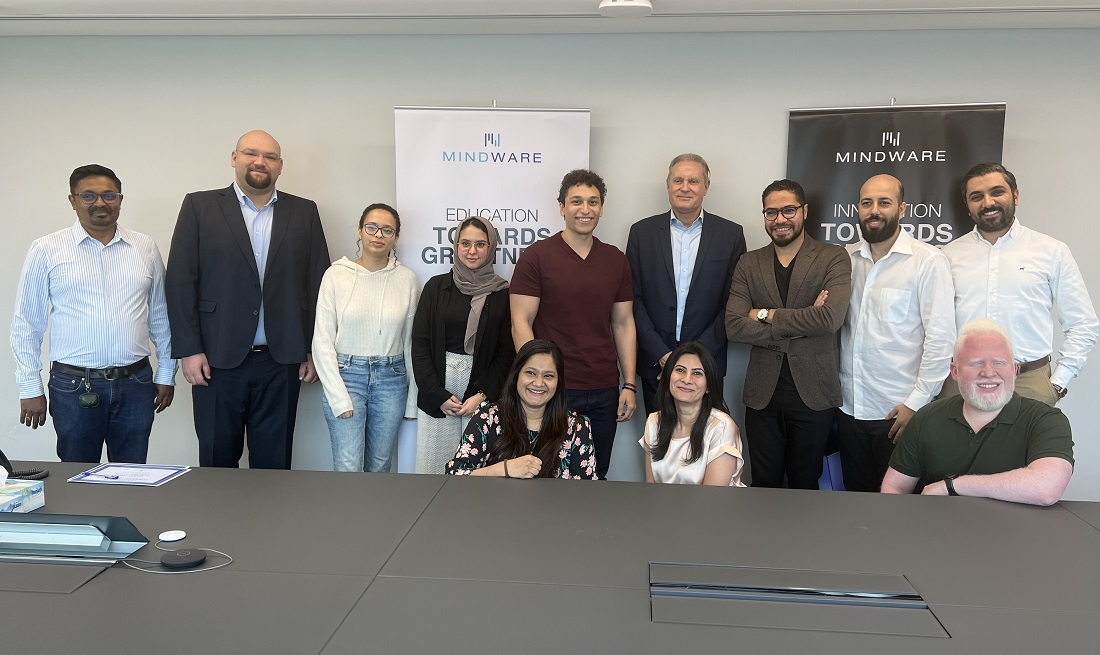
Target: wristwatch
{"points": [[1060, 391], [762, 315], [949, 480]]}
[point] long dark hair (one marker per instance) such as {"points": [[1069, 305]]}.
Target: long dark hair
{"points": [[666, 415], [514, 441]]}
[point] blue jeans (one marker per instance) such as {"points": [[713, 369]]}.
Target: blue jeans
{"points": [[123, 418], [379, 388]]}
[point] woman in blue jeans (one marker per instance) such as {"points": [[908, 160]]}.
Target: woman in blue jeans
{"points": [[361, 345]]}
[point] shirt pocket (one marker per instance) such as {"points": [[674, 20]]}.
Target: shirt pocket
{"points": [[895, 305]]}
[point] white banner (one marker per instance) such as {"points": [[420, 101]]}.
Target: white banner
{"points": [[504, 164]]}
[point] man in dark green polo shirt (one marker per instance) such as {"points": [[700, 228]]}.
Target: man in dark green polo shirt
{"points": [[989, 441]]}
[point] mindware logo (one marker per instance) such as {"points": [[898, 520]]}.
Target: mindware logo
{"points": [[896, 155], [498, 154]]}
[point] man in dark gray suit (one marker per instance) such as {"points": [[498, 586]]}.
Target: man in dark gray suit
{"points": [[682, 261], [245, 266], [788, 300]]}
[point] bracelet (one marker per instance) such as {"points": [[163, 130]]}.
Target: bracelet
{"points": [[630, 387], [506, 469]]}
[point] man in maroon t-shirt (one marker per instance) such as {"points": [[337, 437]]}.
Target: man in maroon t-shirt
{"points": [[575, 290]]}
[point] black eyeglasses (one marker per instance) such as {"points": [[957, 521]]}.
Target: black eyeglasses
{"points": [[371, 228], [89, 198], [788, 212]]}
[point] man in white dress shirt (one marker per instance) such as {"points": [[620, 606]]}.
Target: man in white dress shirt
{"points": [[1017, 277], [895, 345], [101, 287]]}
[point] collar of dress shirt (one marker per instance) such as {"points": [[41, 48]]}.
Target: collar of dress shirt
{"points": [[247, 202], [79, 234], [675, 222], [1013, 233], [903, 244]]}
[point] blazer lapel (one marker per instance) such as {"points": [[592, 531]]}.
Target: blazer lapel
{"points": [[706, 241], [803, 263], [665, 240], [767, 269], [231, 209], [280, 222]]}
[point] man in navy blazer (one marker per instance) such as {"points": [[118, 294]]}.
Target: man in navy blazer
{"points": [[243, 274], [682, 262]]}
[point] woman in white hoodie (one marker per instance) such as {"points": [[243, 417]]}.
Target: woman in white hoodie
{"points": [[361, 345]]}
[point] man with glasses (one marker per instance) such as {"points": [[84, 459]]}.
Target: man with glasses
{"points": [[100, 289], [682, 261], [788, 300], [243, 274], [1019, 278]]}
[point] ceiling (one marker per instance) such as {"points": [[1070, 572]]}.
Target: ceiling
{"points": [[225, 17]]}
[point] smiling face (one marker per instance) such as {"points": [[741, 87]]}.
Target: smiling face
{"points": [[98, 218], [991, 203], [985, 371], [783, 230], [537, 381], [582, 209], [880, 209], [257, 161], [688, 382], [687, 186], [473, 247]]}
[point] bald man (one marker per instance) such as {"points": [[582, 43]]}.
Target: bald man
{"points": [[895, 345], [243, 273]]}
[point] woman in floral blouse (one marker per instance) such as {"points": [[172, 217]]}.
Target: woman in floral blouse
{"points": [[529, 432]]}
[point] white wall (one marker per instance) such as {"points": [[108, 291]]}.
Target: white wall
{"points": [[164, 114]]}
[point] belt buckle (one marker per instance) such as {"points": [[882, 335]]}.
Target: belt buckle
{"points": [[114, 372]]}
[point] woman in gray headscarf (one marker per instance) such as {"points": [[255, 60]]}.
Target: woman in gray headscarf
{"points": [[461, 344]]}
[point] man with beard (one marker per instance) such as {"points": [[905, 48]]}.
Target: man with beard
{"points": [[100, 289], [243, 273], [787, 300], [988, 441], [1016, 276], [895, 346]]}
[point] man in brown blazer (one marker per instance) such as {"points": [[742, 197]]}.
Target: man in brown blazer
{"points": [[788, 301]]}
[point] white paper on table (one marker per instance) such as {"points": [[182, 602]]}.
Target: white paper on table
{"points": [[142, 475]]}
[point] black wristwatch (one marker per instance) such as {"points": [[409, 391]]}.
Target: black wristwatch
{"points": [[1060, 391], [949, 480]]}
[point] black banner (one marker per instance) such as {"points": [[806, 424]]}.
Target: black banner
{"points": [[832, 152]]}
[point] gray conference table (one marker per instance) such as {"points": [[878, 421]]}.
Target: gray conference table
{"points": [[352, 563]]}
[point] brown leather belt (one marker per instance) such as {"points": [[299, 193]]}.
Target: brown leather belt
{"points": [[1027, 367], [109, 373]]}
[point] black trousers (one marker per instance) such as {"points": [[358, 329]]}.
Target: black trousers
{"points": [[601, 408], [787, 438], [260, 395], [649, 394], [865, 449]]}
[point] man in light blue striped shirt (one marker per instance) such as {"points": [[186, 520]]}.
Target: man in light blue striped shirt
{"points": [[101, 289]]}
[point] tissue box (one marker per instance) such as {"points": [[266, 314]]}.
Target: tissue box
{"points": [[22, 496]]}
